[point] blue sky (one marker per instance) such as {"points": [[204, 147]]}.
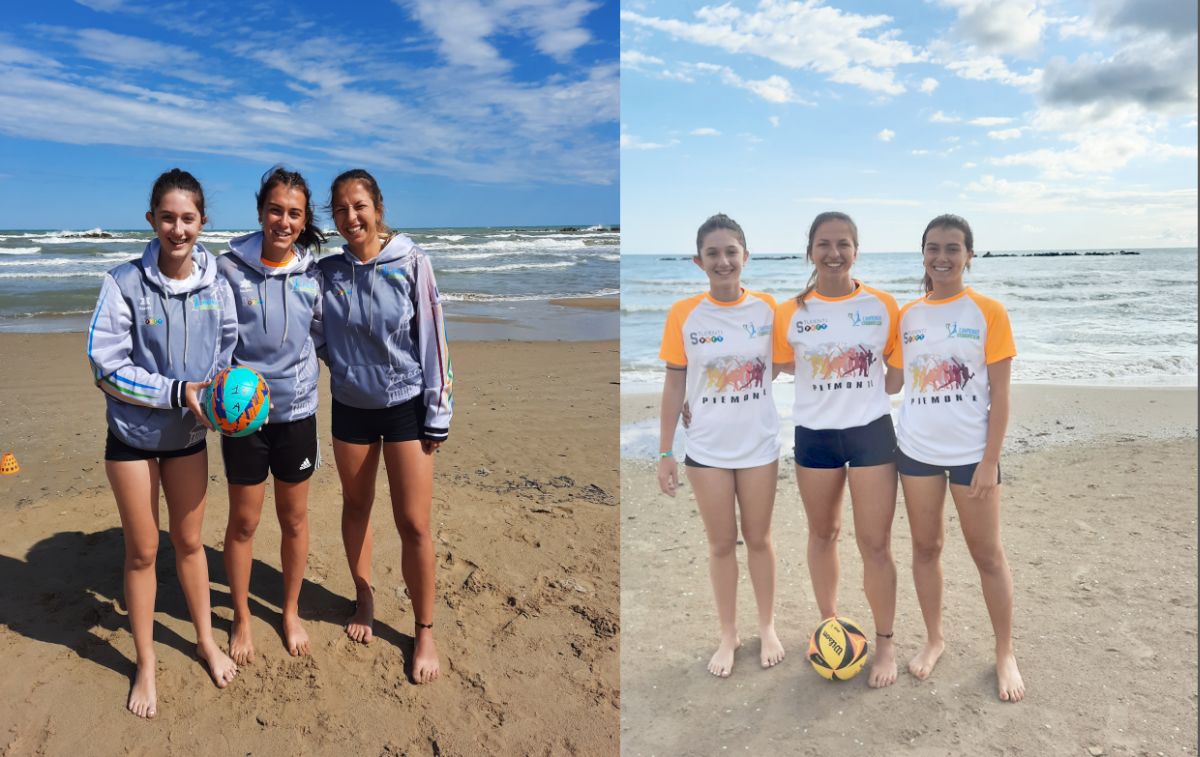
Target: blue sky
{"points": [[1046, 124], [469, 112]]}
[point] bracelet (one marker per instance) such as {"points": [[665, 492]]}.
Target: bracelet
{"points": [[664, 455]]}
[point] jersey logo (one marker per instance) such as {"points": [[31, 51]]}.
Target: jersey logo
{"points": [[755, 331], [952, 331], [305, 465], [816, 325], [205, 302], [706, 337], [340, 286], [858, 319], [917, 335]]}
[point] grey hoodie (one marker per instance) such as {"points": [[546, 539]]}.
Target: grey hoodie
{"points": [[385, 341], [149, 335], [279, 323]]}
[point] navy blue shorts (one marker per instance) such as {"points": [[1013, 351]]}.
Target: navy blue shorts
{"points": [[872, 444], [959, 474], [288, 450], [120, 452], [399, 423]]}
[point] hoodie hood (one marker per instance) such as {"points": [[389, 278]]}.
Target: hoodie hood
{"points": [[248, 248], [204, 271], [397, 247]]}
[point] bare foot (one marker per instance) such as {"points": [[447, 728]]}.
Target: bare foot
{"points": [[721, 663], [883, 669], [295, 635], [1012, 687], [143, 697], [426, 667], [922, 665], [220, 667], [772, 649], [359, 627], [241, 641]]}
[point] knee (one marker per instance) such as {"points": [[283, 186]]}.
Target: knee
{"points": [[412, 531], [721, 548], [875, 551], [758, 542], [186, 544], [292, 525], [988, 558], [357, 507], [824, 535], [142, 556], [927, 551], [241, 529]]}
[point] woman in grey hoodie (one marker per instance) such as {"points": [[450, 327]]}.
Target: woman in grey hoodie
{"points": [[391, 383], [277, 296], [163, 326]]}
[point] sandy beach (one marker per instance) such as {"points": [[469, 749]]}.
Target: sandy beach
{"points": [[526, 527], [1099, 524]]}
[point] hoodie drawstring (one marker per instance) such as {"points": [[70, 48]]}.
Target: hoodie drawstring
{"points": [[185, 332], [286, 276], [371, 299], [167, 323]]}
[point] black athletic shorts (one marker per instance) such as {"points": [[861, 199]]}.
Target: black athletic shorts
{"points": [[288, 450], [398, 423], [689, 462], [959, 474], [118, 451], [872, 444]]}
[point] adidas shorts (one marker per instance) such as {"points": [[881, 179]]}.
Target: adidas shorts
{"points": [[288, 450]]}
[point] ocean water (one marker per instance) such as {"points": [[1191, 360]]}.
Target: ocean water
{"points": [[496, 283], [1087, 319]]}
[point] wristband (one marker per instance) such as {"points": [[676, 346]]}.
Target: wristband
{"points": [[668, 453]]}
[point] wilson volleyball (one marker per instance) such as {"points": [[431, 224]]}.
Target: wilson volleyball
{"points": [[237, 401], [838, 649]]}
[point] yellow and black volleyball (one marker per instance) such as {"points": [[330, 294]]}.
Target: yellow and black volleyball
{"points": [[838, 649]]}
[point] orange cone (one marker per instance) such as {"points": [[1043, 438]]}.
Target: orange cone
{"points": [[9, 465]]}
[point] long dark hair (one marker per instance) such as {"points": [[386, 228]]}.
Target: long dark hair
{"points": [[372, 186], [948, 221], [311, 236], [176, 178], [829, 215]]}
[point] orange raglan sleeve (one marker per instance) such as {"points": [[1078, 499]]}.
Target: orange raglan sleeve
{"points": [[781, 349], [672, 350], [895, 358], [999, 344]]}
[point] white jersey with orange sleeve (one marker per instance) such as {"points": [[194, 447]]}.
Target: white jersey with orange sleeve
{"points": [[838, 346], [945, 349], [726, 347]]}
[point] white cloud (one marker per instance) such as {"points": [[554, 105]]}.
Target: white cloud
{"points": [[990, 121], [634, 59], [705, 131], [968, 164], [1000, 26], [773, 89], [919, 152], [928, 85], [630, 142], [464, 27], [254, 102], [886, 135], [1003, 134], [990, 68], [774, 120], [941, 118], [845, 47], [836, 201], [105, 6]]}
